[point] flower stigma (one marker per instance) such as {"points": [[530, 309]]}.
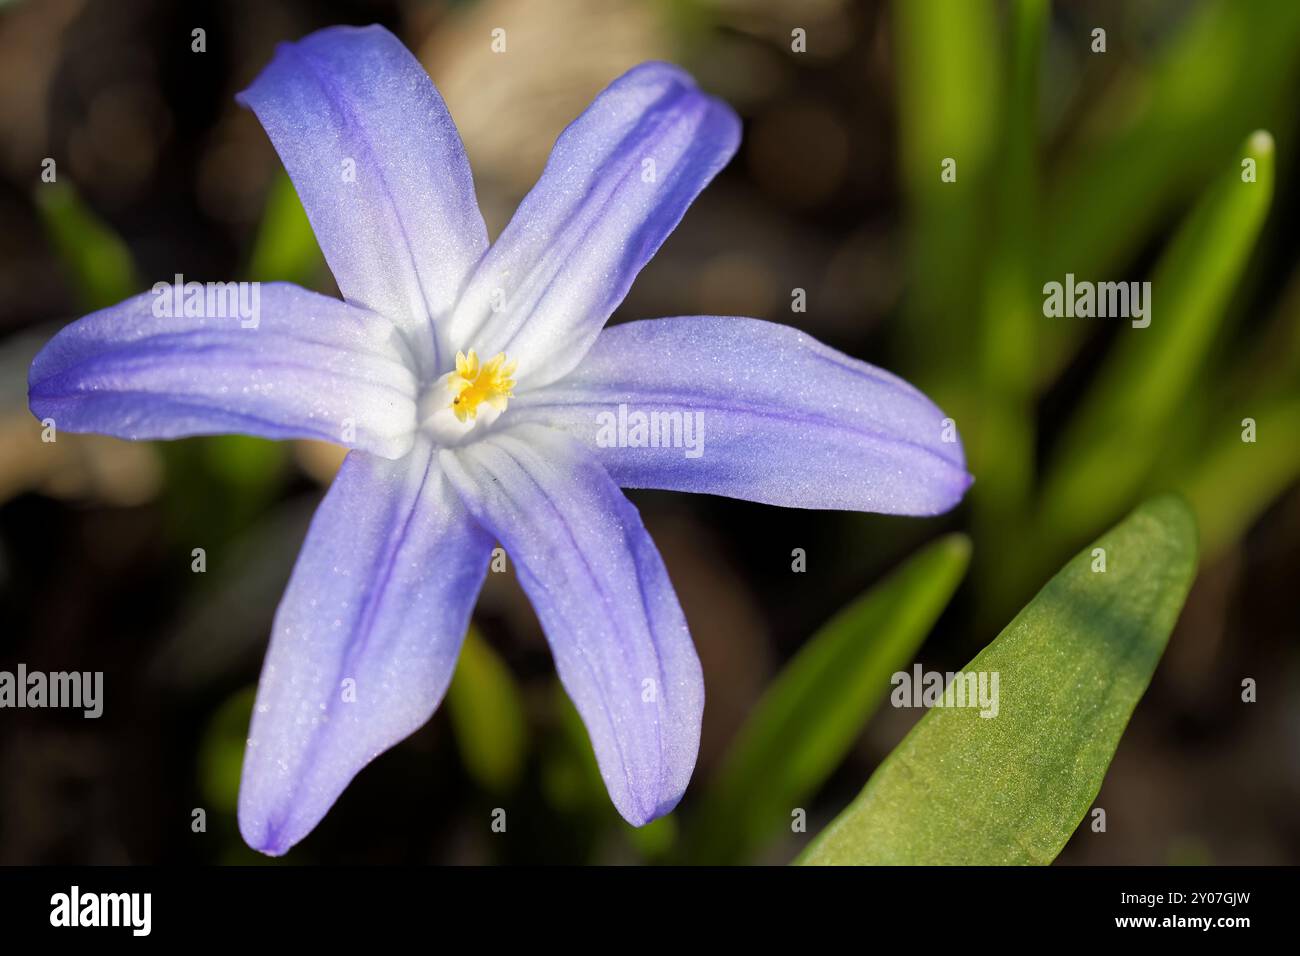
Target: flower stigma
{"points": [[475, 383], [474, 393]]}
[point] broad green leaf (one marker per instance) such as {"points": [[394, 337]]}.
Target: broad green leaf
{"points": [[1123, 424], [285, 249], [966, 789], [96, 257], [814, 711], [487, 716]]}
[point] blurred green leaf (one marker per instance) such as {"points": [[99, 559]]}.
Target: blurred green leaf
{"points": [[572, 784], [1231, 68], [965, 789], [947, 54], [1123, 424], [221, 752], [96, 258], [1231, 482], [1002, 453], [241, 461], [570, 775], [218, 484], [654, 840], [576, 796], [487, 716], [285, 249], [814, 711], [220, 767]]}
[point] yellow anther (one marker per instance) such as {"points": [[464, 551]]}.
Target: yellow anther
{"points": [[475, 383]]}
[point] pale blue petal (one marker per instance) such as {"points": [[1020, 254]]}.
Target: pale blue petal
{"points": [[780, 417], [313, 367], [380, 169], [365, 640], [603, 597], [617, 183]]}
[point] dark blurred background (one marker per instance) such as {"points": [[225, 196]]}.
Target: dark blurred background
{"points": [[834, 192]]}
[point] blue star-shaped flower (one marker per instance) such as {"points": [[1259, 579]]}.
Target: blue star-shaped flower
{"points": [[480, 397]]}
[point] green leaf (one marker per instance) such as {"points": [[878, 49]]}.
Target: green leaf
{"points": [[285, 249], [487, 716], [96, 257], [1122, 427], [965, 789], [814, 711]]}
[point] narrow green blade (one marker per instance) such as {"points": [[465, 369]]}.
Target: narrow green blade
{"points": [[815, 710], [1123, 424], [947, 54]]}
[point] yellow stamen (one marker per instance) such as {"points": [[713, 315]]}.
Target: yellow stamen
{"points": [[475, 383]]}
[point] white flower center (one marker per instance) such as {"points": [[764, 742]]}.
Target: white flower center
{"points": [[472, 396]]}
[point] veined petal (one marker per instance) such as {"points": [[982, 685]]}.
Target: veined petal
{"points": [[380, 169], [310, 367], [603, 597], [617, 183], [776, 416], [365, 639]]}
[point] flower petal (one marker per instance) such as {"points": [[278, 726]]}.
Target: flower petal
{"points": [[380, 169], [603, 597], [617, 183], [778, 417], [311, 367], [365, 639]]}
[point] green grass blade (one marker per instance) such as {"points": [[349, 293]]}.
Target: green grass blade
{"points": [[965, 789], [947, 54], [1002, 453], [1123, 424], [811, 715], [487, 716]]}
